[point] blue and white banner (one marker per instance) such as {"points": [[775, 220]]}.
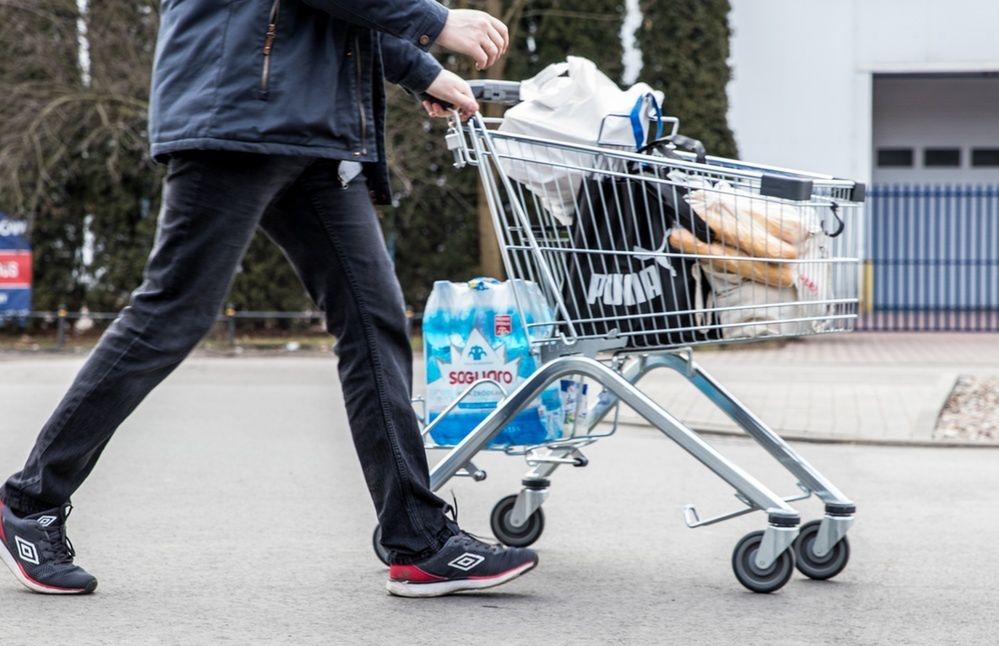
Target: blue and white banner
{"points": [[15, 267]]}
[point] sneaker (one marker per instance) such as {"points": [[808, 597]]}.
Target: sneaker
{"points": [[37, 551], [464, 563]]}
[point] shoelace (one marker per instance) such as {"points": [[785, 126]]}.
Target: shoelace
{"points": [[468, 538], [452, 510], [471, 540], [57, 545]]}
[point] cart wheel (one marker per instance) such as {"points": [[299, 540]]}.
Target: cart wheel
{"points": [[816, 567], [504, 530], [744, 563], [376, 542]]}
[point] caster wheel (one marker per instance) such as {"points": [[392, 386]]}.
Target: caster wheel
{"points": [[504, 530], [744, 564], [376, 542], [816, 567]]}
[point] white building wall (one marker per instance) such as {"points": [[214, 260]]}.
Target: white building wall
{"points": [[801, 94], [917, 113]]}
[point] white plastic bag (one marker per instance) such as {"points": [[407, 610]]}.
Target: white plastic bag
{"points": [[567, 102]]}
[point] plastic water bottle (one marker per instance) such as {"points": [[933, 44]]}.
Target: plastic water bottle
{"points": [[472, 331]]}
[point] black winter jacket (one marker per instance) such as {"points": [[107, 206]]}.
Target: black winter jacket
{"points": [[288, 77]]}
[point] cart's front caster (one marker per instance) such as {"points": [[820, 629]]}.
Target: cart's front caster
{"points": [[376, 542], [508, 534], [753, 577], [819, 567]]}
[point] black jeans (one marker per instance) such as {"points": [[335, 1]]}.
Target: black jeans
{"points": [[212, 204]]}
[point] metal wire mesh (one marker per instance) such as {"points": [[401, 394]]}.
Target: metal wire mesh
{"points": [[658, 251]]}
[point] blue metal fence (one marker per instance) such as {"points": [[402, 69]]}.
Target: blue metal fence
{"points": [[932, 258]]}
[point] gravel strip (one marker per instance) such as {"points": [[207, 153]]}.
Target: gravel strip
{"points": [[971, 412]]}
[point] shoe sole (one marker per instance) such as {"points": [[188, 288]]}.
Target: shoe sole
{"points": [[30, 583], [442, 588]]}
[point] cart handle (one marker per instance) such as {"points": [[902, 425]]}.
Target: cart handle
{"points": [[486, 91], [496, 91]]}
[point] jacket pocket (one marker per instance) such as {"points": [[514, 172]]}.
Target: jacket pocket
{"points": [[269, 37]]}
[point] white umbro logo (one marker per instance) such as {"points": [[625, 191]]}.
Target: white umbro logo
{"points": [[45, 521], [26, 550], [467, 561]]}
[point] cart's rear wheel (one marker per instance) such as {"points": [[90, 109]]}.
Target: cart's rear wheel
{"points": [[819, 567], [376, 542], [513, 536], [760, 580]]}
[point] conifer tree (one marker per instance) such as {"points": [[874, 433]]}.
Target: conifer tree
{"points": [[439, 220], [685, 49], [73, 155]]}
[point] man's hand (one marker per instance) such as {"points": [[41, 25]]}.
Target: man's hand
{"points": [[475, 34], [450, 88]]}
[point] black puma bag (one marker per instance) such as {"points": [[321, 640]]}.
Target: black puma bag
{"points": [[616, 286]]}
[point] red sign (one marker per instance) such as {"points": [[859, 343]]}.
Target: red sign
{"points": [[503, 325], [15, 269]]}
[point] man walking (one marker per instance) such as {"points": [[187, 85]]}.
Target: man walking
{"points": [[270, 113]]}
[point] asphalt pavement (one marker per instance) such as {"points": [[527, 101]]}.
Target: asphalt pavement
{"points": [[231, 509]]}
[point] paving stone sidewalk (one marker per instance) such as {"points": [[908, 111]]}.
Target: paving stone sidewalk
{"points": [[873, 387], [862, 387]]}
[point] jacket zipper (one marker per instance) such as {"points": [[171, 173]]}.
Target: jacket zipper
{"points": [[360, 103], [272, 25]]}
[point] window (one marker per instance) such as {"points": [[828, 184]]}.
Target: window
{"points": [[984, 157], [895, 157], [942, 158]]}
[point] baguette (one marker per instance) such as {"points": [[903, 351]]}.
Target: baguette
{"points": [[781, 220], [734, 230], [738, 263]]}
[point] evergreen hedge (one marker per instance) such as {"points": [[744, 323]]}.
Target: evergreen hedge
{"points": [[105, 188]]}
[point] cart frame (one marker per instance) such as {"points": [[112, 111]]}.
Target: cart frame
{"points": [[763, 560]]}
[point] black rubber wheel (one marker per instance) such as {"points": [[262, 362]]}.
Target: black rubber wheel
{"points": [[744, 564], [812, 566], [376, 542], [506, 533]]}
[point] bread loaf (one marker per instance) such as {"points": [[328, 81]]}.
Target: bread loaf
{"points": [[780, 219], [736, 262], [739, 230]]}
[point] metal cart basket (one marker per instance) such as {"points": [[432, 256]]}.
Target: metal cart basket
{"points": [[642, 256]]}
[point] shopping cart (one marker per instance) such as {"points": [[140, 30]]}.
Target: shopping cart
{"points": [[592, 334]]}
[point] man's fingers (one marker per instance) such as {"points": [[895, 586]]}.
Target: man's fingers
{"points": [[475, 34], [434, 109], [503, 32], [492, 50], [480, 57], [467, 104], [497, 41], [449, 88], [464, 99]]}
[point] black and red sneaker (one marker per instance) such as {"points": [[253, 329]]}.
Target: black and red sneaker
{"points": [[464, 563], [37, 551]]}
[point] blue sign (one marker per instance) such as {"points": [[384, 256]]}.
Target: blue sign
{"points": [[15, 267]]}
